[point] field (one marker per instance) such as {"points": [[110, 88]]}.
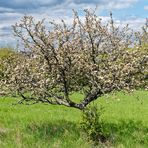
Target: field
{"points": [[41, 126]]}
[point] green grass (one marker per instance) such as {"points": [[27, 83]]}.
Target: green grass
{"points": [[40, 126]]}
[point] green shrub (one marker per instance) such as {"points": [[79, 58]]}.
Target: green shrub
{"points": [[6, 52], [92, 124]]}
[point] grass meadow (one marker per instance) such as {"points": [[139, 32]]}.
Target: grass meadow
{"points": [[125, 119]]}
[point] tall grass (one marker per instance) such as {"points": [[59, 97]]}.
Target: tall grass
{"points": [[125, 120]]}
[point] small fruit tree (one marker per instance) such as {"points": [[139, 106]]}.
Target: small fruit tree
{"points": [[61, 58]]}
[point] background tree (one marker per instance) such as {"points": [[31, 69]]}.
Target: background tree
{"points": [[142, 36], [5, 53], [86, 56]]}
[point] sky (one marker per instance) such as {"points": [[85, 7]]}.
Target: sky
{"points": [[132, 12]]}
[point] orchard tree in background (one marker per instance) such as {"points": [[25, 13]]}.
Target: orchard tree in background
{"points": [[5, 53], [142, 37], [86, 56]]}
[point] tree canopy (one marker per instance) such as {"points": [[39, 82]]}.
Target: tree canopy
{"points": [[61, 58]]}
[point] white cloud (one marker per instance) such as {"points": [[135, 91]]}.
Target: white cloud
{"points": [[21, 5], [134, 23], [12, 11], [120, 4], [145, 7]]}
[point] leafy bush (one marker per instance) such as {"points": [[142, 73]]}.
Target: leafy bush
{"points": [[93, 125]]}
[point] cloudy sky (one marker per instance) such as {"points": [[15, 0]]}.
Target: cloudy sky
{"points": [[133, 12]]}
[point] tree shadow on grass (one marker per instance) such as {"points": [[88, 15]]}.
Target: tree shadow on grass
{"points": [[112, 132], [126, 130], [56, 129]]}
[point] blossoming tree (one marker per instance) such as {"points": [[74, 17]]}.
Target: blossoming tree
{"points": [[86, 56]]}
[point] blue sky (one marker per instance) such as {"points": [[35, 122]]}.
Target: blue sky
{"points": [[133, 12]]}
